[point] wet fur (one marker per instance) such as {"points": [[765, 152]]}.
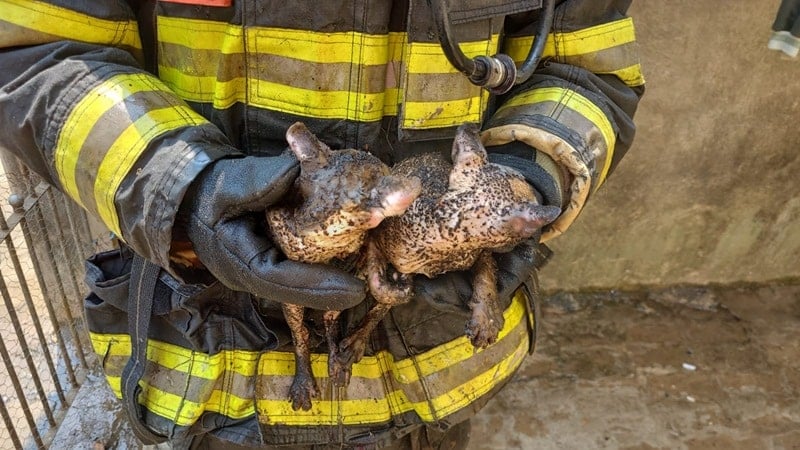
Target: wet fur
{"points": [[467, 209], [340, 196], [426, 216]]}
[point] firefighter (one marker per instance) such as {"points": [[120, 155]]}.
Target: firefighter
{"points": [[165, 120]]}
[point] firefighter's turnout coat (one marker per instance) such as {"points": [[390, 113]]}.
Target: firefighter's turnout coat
{"points": [[116, 103]]}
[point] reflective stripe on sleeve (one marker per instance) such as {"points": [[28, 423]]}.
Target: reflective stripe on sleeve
{"points": [[577, 113], [609, 48], [24, 22], [107, 131]]}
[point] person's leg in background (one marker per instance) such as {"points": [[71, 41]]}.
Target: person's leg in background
{"points": [[786, 28]]}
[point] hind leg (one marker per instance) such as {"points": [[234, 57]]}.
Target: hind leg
{"points": [[487, 316], [304, 387]]}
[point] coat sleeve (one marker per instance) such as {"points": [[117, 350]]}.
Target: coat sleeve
{"points": [[574, 116], [76, 107]]}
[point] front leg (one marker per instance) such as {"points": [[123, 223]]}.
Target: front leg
{"points": [[487, 317], [304, 387]]}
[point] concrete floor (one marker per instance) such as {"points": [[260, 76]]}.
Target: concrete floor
{"points": [[683, 368]]}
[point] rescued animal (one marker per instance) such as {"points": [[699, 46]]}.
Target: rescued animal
{"points": [[340, 196], [467, 210]]}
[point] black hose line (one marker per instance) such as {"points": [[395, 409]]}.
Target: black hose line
{"points": [[498, 74], [535, 54], [451, 48]]}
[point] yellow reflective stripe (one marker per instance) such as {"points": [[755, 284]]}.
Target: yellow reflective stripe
{"points": [[201, 34], [163, 403], [83, 118], [352, 411], [68, 24], [597, 39], [379, 410], [115, 383], [392, 101], [428, 57], [406, 370], [319, 104], [127, 149], [579, 104], [379, 407], [456, 351], [463, 395], [282, 364], [574, 43], [394, 70], [200, 365], [360, 49], [421, 115], [319, 47], [277, 363], [222, 94], [631, 75]]}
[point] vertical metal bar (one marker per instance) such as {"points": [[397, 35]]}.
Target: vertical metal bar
{"points": [[17, 202], [48, 249], [26, 293], [12, 373], [26, 350], [12, 433]]}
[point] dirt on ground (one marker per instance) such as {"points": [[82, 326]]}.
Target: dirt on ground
{"points": [[681, 368]]}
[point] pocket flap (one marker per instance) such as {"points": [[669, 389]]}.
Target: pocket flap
{"points": [[471, 10]]}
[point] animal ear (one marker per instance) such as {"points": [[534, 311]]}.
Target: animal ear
{"points": [[310, 151], [392, 196], [531, 217], [468, 151]]}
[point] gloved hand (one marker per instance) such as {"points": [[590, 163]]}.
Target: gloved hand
{"points": [[451, 291], [223, 215]]}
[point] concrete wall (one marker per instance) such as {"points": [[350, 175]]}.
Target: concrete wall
{"points": [[709, 191]]}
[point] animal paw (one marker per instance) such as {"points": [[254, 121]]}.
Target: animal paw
{"points": [[338, 370], [351, 350], [303, 389], [390, 287], [484, 326]]}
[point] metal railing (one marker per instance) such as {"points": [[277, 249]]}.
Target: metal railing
{"points": [[44, 238]]}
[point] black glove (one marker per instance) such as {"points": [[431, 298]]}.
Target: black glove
{"points": [[451, 291], [547, 190], [223, 215]]}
